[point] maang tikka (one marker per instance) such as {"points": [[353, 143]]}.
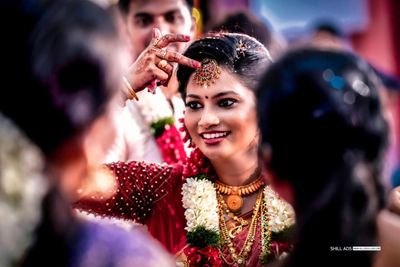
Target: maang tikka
{"points": [[208, 73]]}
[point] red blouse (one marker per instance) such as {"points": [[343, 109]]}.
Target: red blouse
{"points": [[148, 193]]}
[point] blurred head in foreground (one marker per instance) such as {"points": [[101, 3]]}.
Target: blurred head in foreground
{"points": [[323, 139]]}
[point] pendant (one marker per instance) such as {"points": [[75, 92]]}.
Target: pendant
{"points": [[234, 231], [234, 202]]}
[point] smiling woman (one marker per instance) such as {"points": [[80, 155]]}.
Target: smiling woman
{"points": [[215, 209], [221, 118]]}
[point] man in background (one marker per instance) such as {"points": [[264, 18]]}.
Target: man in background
{"points": [[135, 138]]}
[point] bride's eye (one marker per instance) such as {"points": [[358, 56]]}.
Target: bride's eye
{"points": [[194, 105], [227, 102]]}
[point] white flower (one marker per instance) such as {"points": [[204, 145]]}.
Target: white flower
{"points": [[153, 107], [200, 201], [22, 186], [281, 213]]}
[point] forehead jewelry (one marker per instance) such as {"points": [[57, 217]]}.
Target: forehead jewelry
{"points": [[208, 73]]}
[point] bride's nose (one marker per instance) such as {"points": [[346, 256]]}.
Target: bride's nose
{"points": [[208, 118]]}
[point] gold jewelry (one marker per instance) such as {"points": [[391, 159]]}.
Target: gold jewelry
{"points": [[234, 200], [132, 93], [207, 73], [162, 64], [240, 258], [241, 49], [156, 42], [163, 53], [233, 228]]}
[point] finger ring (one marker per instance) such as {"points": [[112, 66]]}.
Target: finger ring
{"points": [[162, 64], [156, 42], [163, 53]]}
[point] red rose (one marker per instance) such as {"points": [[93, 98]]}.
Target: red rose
{"points": [[216, 262], [190, 251], [195, 260], [208, 256], [212, 256]]}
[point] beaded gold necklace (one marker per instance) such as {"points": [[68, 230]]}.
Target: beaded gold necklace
{"points": [[234, 201], [241, 256]]}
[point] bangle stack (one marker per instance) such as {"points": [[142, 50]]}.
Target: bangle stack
{"points": [[132, 93]]}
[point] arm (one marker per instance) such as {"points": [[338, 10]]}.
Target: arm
{"points": [[129, 190]]}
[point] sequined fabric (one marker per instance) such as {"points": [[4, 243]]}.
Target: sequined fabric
{"points": [[148, 193]]}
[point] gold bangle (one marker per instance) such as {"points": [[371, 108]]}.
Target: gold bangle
{"points": [[131, 92]]}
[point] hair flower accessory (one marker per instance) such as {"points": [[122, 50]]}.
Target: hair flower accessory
{"points": [[241, 48]]}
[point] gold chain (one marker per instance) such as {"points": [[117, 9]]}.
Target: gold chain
{"points": [[240, 258], [233, 231]]}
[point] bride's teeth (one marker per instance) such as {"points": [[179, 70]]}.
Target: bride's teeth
{"points": [[214, 135]]}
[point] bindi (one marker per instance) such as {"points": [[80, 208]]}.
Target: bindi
{"points": [[206, 96]]}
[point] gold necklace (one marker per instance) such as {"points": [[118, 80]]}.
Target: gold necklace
{"points": [[233, 229], [240, 258], [234, 200]]}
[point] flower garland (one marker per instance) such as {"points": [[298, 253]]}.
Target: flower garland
{"points": [[22, 187], [281, 214], [281, 219], [157, 113], [199, 198], [200, 201]]}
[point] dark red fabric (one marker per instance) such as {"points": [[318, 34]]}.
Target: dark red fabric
{"points": [[148, 193]]}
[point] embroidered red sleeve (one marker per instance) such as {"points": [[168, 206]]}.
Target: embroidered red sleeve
{"points": [[141, 187]]}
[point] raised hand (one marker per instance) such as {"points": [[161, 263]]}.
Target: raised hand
{"points": [[154, 66]]}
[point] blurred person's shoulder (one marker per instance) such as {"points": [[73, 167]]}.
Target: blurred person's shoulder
{"points": [[388, 223], [110, 245]]}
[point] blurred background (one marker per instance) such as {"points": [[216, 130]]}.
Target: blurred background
{"points": [[368, 25]]}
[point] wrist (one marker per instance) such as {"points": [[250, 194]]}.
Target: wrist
{"points": [[131, 92]]}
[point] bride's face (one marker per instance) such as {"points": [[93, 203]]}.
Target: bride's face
{"points": [[221, 118]]}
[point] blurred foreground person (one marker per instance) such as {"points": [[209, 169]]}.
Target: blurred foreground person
{"points": [[324, 137], [52, 115], [389, 232]]}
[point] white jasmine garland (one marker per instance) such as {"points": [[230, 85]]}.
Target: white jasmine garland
{"points": [[22, 187], [154, 107], [281, 214], [200, 201], [156, 110]]}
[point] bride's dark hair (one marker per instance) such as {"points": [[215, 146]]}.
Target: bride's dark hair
{"points": [[239, 53]]}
